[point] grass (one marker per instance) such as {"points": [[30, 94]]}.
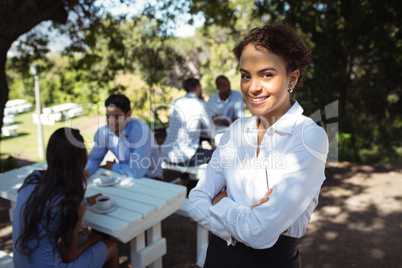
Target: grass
{"points": [[25, 145]]}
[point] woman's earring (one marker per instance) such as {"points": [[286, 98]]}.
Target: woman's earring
{"points": [[290, 89]]}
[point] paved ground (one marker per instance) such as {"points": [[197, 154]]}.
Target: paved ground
{"points": [[358, 223]]}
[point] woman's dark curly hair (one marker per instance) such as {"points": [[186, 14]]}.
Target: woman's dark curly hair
{"points": [[58, 191], [281, 40]]}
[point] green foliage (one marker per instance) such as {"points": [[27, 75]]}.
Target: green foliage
{"points": [[20, 88], [92, 76], [357, 59], [346, 147], [31, 49], [356, 48], [8, 163], [383, 145], [25, 145]]}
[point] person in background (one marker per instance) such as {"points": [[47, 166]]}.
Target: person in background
{"points": [[226, 105], [129, 139], [188, 120], [278, 155], [49, 210]]}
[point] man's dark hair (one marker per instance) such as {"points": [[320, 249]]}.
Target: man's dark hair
{"points": [[220, 78], [119, 101], [191, 84]]}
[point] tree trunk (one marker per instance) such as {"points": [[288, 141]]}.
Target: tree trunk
{"points": [[18, 17], [3, 82]]}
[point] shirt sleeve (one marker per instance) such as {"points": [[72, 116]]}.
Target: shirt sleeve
{"points": [[260, 227], [211, 106], [239, 107], [97, 153], [208, 126], [301, 180], [141, 150], [200, 198]]}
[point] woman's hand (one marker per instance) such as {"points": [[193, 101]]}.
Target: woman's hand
{"points": [[109, 165], [94, 237], [92, 199], [219, 197], [264, 199]]}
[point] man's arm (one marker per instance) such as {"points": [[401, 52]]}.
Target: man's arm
{"points": [[208, 126], [222, 120], [97, 154], [211, 107], [238, 107], [140, 141]]}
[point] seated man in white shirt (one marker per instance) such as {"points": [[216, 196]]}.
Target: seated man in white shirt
{"points": [[188, 119], [226, 105], [129, 139]]}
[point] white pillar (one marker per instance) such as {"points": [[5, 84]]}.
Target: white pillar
{"points": [[41, 148]]}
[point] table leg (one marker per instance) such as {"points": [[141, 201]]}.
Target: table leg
{"points": [[148, 252], [11, 210], [154, 234], [202, 244], [136, 245]]}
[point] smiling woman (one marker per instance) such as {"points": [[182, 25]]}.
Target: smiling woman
{"points": [[264, 80], [232, 199], [272, 65]]}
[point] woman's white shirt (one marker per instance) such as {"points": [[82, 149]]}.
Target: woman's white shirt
{"points": [[292, 156]]}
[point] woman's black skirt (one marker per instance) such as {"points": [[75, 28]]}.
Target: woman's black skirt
{"points": [[283, 254]]}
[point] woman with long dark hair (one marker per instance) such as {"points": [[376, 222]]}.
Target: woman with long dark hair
{"points": [[49, 210]]}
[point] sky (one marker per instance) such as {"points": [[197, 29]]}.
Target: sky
{"points": [[182, 30], [58, 42]]}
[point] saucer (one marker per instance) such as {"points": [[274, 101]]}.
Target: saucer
{"points": [[98, 182], [97, 210]]}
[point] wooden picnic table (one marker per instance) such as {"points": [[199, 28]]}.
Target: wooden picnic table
{"points": [[17, 106], [142, 204]]}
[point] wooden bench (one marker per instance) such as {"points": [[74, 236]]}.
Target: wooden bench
{"points": [[195, 171], [6, 260], [23, 108], [10, 130], [45, 119], [8, 120], [74, 112], [202, 232]]}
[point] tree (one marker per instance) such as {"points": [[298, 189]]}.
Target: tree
{"points": [[357, 52], [85, 14], [80, 19], [33, 12], [357, 59]]}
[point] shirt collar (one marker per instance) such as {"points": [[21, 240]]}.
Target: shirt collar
{"points": [[224, 101], [285, 124], [191, 95]]}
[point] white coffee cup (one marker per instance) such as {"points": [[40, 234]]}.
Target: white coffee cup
{"points": [[103, 202], [105, 177]]}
